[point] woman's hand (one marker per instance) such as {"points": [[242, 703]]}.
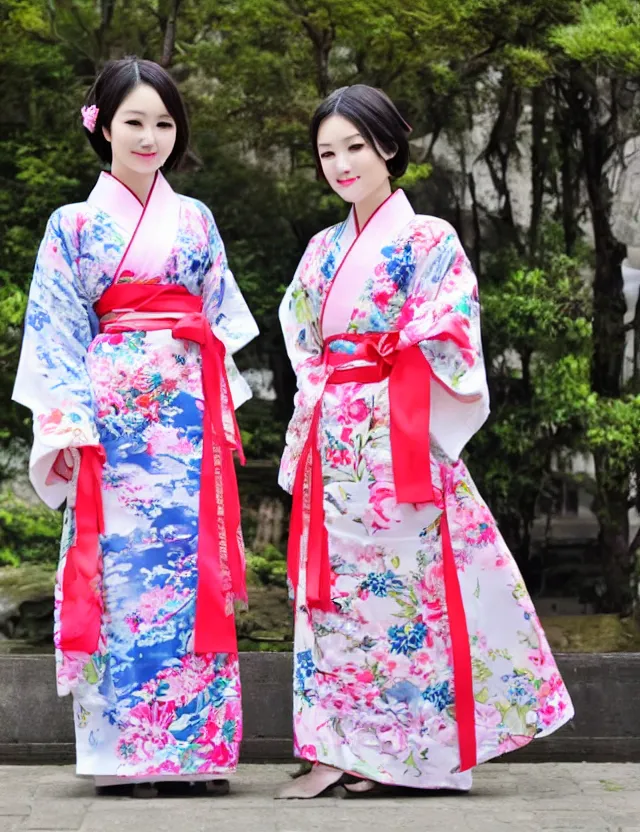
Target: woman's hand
{"points": [[62, 468]]}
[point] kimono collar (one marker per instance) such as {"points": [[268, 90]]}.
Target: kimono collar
{"points": [[360, 260], [395, 209], [151, 229], [114, 198]]}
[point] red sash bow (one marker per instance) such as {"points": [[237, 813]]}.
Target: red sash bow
{"points": [[220, 556], [410, 378]]}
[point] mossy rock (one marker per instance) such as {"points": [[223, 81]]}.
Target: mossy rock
{"points": [[26, 619], [26, 602], [268, 623], [592, 634]]}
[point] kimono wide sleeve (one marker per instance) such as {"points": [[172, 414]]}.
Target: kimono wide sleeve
{"points": [[301, 330], [442, 315], [52, 379], [227, 311]]}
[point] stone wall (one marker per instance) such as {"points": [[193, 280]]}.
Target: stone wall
{"points": [[36, 726]]}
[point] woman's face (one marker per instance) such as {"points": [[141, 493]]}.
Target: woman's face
{"points": [[142, 133], [350, 164]]}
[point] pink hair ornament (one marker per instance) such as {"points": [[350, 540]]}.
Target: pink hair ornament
{"points": [[90, 117]]}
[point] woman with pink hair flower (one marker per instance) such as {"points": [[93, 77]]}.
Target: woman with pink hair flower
{"points": [[127, 367]]}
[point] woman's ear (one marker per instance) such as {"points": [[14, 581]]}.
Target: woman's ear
{"points": [[107, 134]]}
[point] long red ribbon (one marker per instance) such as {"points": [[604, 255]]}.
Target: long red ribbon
{"points": [[81, 610], [461, 649], [221, 573], [219, 519], [410, 377]]}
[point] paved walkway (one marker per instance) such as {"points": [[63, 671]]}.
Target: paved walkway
{"points": [[522, 798]]}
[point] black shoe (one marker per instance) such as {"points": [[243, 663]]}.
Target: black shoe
{"points": [[142, 791], [198, 788]]}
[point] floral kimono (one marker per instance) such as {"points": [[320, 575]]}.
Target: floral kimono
{"points": [[126, 364], [418, 652]]}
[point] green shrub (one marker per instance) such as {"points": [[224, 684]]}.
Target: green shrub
{"points": [[269, 566], [28, 533]]}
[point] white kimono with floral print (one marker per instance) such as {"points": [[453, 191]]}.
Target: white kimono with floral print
{"points": [[373, 682]]}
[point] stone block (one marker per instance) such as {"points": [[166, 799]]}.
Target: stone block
{"points": [[36, 726]]}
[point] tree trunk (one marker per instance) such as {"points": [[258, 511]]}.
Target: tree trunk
{"points": [[322, 40], [606, 373], [501, 150], [609, 305], [107, 8], [170, 30], [598, 138], [569, 181], [616, 556], [539, 167], [270, 524], [476, 251]]}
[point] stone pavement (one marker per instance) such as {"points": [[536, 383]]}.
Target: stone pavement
{"points": [[523, 797]]}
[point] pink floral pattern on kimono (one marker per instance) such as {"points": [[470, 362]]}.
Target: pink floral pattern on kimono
{"points": [[373, 684]]}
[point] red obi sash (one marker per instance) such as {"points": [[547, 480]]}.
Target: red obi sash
{"points": [[410, 377], [221, 574]]}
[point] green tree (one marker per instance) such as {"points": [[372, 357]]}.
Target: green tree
{"points": [[537, 323], [598, 60]]}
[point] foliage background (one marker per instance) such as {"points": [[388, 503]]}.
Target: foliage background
{"points": [[525, 88]]}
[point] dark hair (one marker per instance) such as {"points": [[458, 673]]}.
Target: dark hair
{"points": [[115, 82], [377, 119]]}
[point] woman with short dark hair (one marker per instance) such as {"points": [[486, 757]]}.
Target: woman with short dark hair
{"points": [[418, 653], [126, 364]]}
